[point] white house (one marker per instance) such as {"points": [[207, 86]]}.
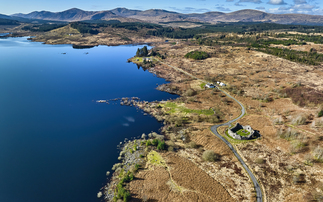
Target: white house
{"points": [[146, 59], [209, 85], [220, 83]]}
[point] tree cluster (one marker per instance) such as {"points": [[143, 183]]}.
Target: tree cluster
{"points": [[42, 27], [8, 22], [309, 58], [84, 28], [197, 55], [142, 52]]}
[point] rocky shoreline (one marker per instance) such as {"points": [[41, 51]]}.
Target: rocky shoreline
{"points": [[133, 154]]}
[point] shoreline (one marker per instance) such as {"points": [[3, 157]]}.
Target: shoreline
{"points": [[33, 38]]}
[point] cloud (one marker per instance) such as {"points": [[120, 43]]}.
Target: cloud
{"points": [[261, 8], [220, 8], [190, 10], [125, 124], [299, 6], [300, 2], [250, 1], [237, 4], [276, 2], [130, 119]]}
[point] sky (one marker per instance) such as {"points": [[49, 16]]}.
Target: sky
{"points": [[312, 7]]}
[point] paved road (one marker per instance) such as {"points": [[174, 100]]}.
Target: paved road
{"points": [[214, 130]]}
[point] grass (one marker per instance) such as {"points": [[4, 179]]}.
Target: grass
{"points": [[243, 132], [181, 109], [235, 141], [202, 85], [140, 59], [155, 159]]}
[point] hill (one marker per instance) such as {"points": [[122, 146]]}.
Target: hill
{"points": [[159, 15]]}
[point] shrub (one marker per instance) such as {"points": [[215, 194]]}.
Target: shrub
{"points": [[279, 121], [259, 160], [178, 121], [320, 114], [308, 159], [296, 146], [191, 145], [304, 96], [135, 147], [213, 119], [129, 177], [155, 142], [299, 120], [190, 92], [137, 166], [210, 155], [161, 145], [289, 134], [148, 143], [318, 153], [126, 196]]}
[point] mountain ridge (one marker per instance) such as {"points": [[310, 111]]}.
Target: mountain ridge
{"points": [[160, 15]]}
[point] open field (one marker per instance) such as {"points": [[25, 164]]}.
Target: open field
{"points": [[287, 168]]}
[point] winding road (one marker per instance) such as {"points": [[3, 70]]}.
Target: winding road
{"points": [[215, 131]]}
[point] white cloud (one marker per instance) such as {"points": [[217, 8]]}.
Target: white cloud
{"points": [[299, 6], [190, 10], [238, 4], [276, 2]]}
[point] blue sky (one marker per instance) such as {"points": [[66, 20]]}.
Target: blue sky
{"points": [[313, 7]]}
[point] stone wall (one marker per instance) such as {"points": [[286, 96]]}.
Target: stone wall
{"points": [[232, 132]]}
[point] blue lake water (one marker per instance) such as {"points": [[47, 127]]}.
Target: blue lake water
{"points": [[56, 142]]}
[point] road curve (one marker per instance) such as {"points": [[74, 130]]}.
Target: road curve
{"points": [[215, 131]]}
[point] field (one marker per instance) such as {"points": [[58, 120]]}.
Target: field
{"points": [[287, 168]]}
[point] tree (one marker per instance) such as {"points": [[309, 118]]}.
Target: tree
{"points": [[138, 53], [145, 51]]}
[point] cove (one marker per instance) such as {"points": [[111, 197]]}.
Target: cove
{"points": [[56, 142]]}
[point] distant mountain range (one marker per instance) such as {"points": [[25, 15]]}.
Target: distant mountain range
{"points": [[158, 15]]}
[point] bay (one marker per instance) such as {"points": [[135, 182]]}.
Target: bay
{"points": [[56, 142]]}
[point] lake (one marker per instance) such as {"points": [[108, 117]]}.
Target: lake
{"points": [[56, 142]]}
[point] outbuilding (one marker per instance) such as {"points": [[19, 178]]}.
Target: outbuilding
{"points": [[209, 85], [220, 83]]}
